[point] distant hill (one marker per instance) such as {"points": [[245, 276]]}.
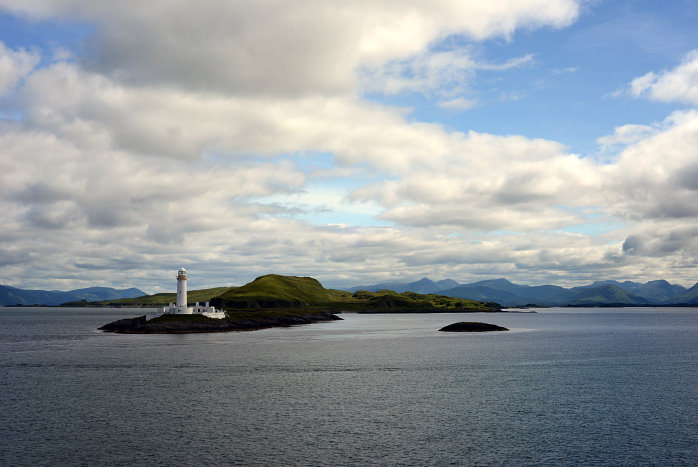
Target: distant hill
{"points": [[14, 296], [607, 294], [531, 294], [506, 293], [423, 285], [659, 291], [478, 292], [689, 297], [509, 294]]}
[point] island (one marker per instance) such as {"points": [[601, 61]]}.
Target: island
{"points": [[465, 326], [274, 300]]}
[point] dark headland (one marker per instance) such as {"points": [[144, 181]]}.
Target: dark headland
{"points": [[273, 301]]}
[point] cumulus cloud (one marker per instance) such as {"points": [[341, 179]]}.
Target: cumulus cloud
{"points": [[665, 241], [117, 205], [535, 186], [245, 47], [95, 110], [626, 134], [649, 179], [491, 183], [15, 65], [676, 85], [161, 144], [444, 73]]}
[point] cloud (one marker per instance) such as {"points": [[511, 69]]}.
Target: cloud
{"points": [[676, 85], [162, 146], [244, 47], [95, 111], [648, 181], [514, 184], [632, 244], [442, 73], [491, 183], [118, 205], [114, 189], [626, 134], [459, 103], [15, 65], [664, 242], [428, 72], [191, 140]]}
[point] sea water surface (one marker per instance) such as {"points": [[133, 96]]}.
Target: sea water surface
{"points": [[564, 386]]}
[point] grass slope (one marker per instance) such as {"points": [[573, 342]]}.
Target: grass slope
{"points": [[274, 291]]}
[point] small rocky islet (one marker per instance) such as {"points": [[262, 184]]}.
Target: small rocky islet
{"points": [[466, 326]]}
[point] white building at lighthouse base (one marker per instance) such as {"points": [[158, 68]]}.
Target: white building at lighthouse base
{"points": [[204, 309], [172, 309]]}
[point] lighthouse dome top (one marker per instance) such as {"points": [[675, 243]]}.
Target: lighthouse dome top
{"points": [[182, 271]]}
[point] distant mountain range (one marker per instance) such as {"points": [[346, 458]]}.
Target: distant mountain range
{"points": [[13, 296], [506, 293], [421, 286], [608, 292]]}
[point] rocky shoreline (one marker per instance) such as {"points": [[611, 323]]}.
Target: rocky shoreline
{"points": [[184, 324]]}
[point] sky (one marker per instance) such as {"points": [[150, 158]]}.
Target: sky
{"points": [[544, 141]]}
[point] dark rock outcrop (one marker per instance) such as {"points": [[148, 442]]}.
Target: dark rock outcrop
{"points": [[180, 324], [465, 326]]}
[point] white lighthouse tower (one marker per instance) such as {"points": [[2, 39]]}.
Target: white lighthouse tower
{"points": [[182, 291], [181, 308]]}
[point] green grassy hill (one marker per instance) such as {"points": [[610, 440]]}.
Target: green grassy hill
{"points": [[272, 293]]}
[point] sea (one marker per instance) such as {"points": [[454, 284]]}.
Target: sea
{"points": [[582, 386]]}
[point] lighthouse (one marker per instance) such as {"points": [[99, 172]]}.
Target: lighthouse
{"points": [[181, 308], [182, 290]]}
